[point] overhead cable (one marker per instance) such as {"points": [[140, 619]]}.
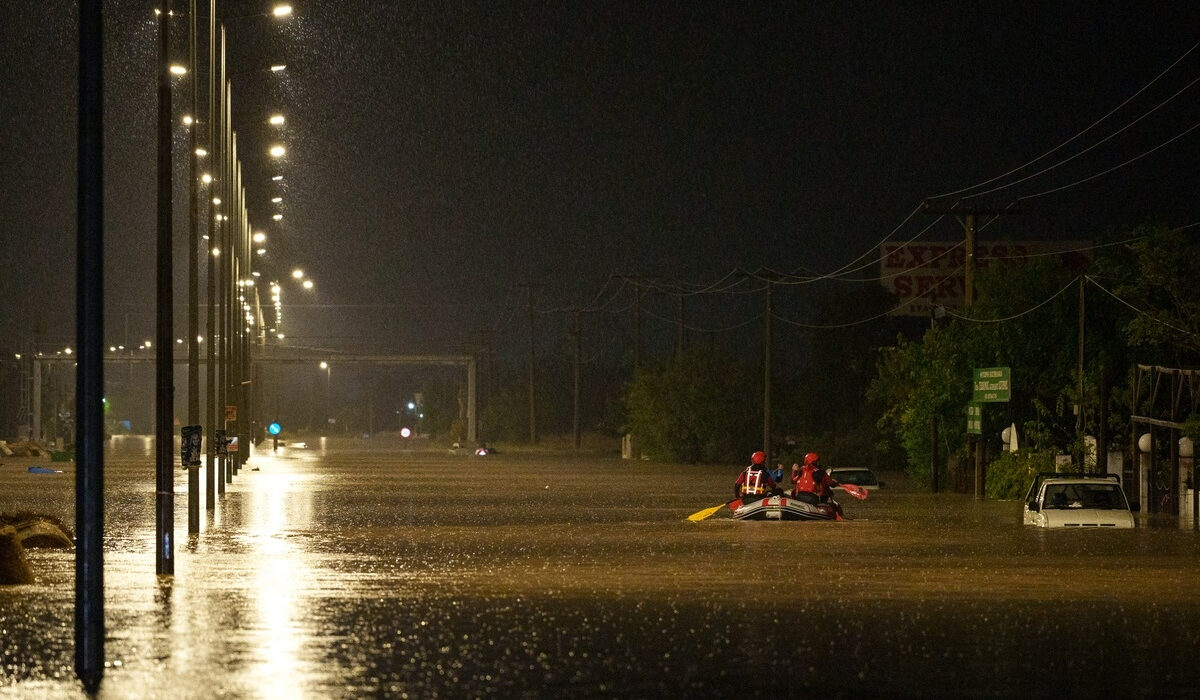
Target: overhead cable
{"points": [[1148, 315], [1099, 143], [1076, 136], [1102, 173], [1014, 316]]}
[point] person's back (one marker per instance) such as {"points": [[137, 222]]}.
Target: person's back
{"points": [[809, 481], [755, 480]]}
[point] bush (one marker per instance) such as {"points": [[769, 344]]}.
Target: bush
{"points": [[699, 407], [1010, 474]]}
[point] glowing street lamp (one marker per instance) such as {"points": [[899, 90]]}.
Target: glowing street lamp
{"points": [[277, 151]]}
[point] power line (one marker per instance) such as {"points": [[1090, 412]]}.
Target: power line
{"points": [[1089, 148], [876, 317], [1139, 311], [742, 324], [1102, 173], [1094, 124], [1014, 316]]}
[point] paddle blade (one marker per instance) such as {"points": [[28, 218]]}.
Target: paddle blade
{"points": [[857, 491], [701, 515]]}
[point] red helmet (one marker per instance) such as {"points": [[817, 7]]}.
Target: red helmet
{"points": [[811, 458], [758, 457]]}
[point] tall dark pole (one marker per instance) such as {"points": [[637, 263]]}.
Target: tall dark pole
{"points": [[637, 325], [1081, 449], [235, 296], [533, 436], [766, 446], [193, 274], [89, 386], [578, 348], [969, 264], [934, 450], [164, 360], [210, 372], [222, 287], [679, 319], [969, 223]]}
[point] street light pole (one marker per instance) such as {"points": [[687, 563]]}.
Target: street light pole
{"points": [[164, 360], [210, 319], [89, 389], [222, 275], [193, 274]]}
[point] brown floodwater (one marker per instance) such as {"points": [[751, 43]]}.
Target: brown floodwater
{"points": [[360, 569]]}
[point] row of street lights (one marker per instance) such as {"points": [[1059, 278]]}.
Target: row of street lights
{"points": [[229, 337], [234, 319]]}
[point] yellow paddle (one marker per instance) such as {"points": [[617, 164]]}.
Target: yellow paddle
{"points": [[701, 515]]}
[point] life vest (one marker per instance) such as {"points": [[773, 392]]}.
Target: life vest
{"points": [[804, 481], [753, 482]]}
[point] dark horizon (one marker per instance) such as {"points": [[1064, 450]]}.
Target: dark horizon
{"points": [[440, 161]]}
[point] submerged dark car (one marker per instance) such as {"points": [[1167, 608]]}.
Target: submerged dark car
{"points": [[857, 476]]}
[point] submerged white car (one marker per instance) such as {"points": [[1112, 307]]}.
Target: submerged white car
{"points": [[1077, 500]]}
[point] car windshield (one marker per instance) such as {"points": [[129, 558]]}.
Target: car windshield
{"points": [[1101, 496]]}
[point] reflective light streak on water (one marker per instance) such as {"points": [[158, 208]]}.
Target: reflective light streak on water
{"points": [[336, 572]]}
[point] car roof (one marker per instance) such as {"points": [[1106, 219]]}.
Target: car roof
{"points": [[1066, 477]]}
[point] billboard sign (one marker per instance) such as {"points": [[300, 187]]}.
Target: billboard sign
{"points": [[926, 275]]}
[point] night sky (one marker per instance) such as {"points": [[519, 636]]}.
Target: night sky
{"points": [[442, 154]]}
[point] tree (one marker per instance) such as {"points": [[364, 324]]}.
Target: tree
{"points": [[699, 407], [1015, 323], [1156, 274], [919, 382]]}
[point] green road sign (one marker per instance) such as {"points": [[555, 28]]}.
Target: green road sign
{"points": [[974, 419], [992, 384]]}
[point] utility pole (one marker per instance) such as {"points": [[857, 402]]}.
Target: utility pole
{"points": [[969, 217], [679, 339], [578, 347], [968, 220], [766, 446], [637, 318], [533, 434], [1081, 449], [637, 325]]}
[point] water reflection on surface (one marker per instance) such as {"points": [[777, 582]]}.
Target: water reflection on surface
{"points": [[342, 571]]}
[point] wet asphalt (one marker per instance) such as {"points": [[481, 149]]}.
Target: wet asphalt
{"points": [[360, 568]]}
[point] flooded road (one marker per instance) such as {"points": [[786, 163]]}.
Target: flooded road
{"points": [[352, 570]]}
